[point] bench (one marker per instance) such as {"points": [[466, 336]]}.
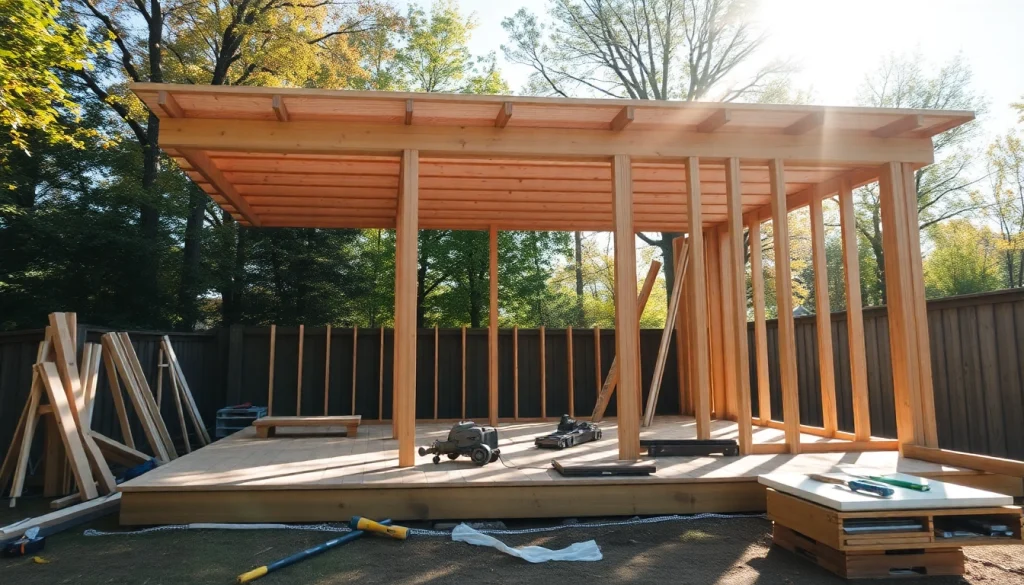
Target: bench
{"points": [[266, 426]]}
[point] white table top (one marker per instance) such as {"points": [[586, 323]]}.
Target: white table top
{"points": [[841, 498]]}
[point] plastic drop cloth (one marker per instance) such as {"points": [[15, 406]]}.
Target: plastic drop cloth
{"points": [[580, 551]]}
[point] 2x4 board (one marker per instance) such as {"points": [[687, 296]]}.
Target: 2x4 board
{"points": [[841, 498]]}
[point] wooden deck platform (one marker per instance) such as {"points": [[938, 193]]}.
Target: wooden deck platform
{"points": [[303, 479]]}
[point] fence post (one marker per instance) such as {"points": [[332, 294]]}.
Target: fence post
{"points": [[234, 374]]}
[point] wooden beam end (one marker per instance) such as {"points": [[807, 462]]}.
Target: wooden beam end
{"points": [[408, 112], [169, 105], [280, 110], [715, 121], [504, 114], [623, 118], [812, 121], [901, 126]]}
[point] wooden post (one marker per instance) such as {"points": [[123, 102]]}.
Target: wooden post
{"points": [[680, 246], [355, 344], [854, 316], [298, 382], [572, 384], [716, 350], [823, 319], [406, 246], [463, 372], [492, 333], [784, 302], [436, 339], [697, 309], [543, 377], [270, 385], [764, 402], [627, 318], [728, 323], [159, 371], [597, 361], [515, 372], [737, 282], [380, 388], [327, 370]]}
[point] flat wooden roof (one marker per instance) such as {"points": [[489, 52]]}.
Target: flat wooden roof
{"points": [[279, 157]]}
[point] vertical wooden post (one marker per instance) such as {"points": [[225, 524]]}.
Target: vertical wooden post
{"points": [[926, 398], [597, 361], [463, 372], [298, 382], [543, 377], [406, 246], [908, 325], [627, 318], [728, 321], [714, 302], [327, 370], [784, 302], [492, 333], [380, 389], [697, 308], [679, 248], [854, 315], [764, 402], [270, 386], [572, 384], [736, 281], [355, 346], [436, 339], [823, 318], [515, 372]]}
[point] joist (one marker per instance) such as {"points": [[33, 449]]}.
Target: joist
{"points": [[169, 105], [201, 162], [280, 109], [623, 119], [504, 115], [612, 379], [409, 107], [714, 121]]}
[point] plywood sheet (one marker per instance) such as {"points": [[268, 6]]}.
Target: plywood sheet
{"points": [[838, 497]]}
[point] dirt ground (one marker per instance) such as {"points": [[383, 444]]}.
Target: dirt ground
{"points": [[711, 551]]}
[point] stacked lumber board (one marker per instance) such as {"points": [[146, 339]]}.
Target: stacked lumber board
{"points": [[61, 401]]}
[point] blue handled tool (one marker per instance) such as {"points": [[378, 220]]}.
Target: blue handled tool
{"points": [[858, 485]]}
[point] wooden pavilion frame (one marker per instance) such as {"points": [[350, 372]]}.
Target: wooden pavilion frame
{"points": [[343, 159]]}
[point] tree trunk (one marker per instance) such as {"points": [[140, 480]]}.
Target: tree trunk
{"points": [[667, 256], [474, 276], [580, 317], [188, 290]]}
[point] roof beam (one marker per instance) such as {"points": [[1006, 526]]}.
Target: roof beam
{"points": [[202, 164], [901, 126], [811, 121], [623, 118], [280, 110], [169, 105], [714, 121], [408, 112], [855, 178], [555, 144], [504, 115]]}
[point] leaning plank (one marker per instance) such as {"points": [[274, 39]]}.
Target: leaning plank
{"points": [[12, 450], [176, 390], [113, 349], [117, 452], [50, 378], [55, 522], [115, 392], [146, 393], [666, 336], [67, 368], [995, 465], [612, 380], [28, 433], [265, 426], [186, 392], [91, 379]]}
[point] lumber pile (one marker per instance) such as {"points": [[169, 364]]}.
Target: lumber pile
{"points": [[60, 404]]}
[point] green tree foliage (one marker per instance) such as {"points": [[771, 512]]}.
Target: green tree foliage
{"points": [[964, 260], [36, 46], [1006, 169]]}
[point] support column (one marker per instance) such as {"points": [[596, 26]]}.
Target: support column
{"points": [[908, 326], [697, 305], [823, 318], [627, 318], [406, 259], [764, 403], [854, 316], [737, 282], [492, 334], [784, 302]]}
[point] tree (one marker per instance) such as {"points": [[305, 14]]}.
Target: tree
{"points": [[944, 188], [641, 49], [1006, 167], [964, 260], [35, 47]]}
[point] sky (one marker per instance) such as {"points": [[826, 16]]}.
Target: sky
{"points": [[836, 43]]}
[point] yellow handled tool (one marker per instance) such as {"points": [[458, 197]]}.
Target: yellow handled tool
{"points": [[367, 525]]}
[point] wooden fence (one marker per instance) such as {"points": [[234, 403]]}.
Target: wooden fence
{"points": [[976, 343]]}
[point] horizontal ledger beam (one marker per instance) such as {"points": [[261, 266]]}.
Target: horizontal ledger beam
{"points": [[335, 137]]}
